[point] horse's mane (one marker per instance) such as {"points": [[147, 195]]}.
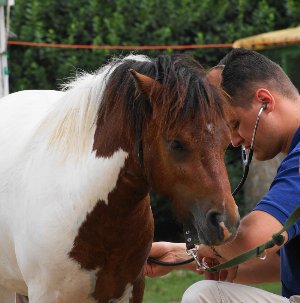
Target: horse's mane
{"points": [[72, 122], [186, 93]]}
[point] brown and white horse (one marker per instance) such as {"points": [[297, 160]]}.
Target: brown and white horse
{"points": [[76, 167]]}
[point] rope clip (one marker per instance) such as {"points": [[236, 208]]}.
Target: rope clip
{"points": [[200, 264]]}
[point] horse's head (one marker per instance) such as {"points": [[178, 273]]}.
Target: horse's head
{"points": [[183, 142]]}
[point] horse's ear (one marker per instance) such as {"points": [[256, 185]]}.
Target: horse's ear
{"points": [[144, 84], [214, 75]]}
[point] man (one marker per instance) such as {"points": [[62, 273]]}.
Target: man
{"points": [[253, 82]]}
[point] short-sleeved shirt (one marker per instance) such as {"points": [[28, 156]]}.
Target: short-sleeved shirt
{"points": [[281, 200]]}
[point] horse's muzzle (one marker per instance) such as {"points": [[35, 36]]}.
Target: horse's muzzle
{"points": [[215, 229], [218, 228]]}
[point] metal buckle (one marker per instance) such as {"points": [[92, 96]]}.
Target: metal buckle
{"points": [[200, 264]]}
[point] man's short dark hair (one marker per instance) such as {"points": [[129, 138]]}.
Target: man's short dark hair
{"points": [[247, 70]]}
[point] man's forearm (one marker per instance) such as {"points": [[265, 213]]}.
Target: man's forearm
{"points": [[259, 271], [255, 229]]}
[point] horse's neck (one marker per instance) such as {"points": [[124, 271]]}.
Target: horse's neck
{"points": [[132, 182], [112, 136], [126, 211]]}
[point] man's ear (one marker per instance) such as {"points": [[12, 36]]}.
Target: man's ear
{"points": [[266, 99], [145, 84], [214, 75]]}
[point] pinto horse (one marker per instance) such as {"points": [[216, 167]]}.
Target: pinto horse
{"points": [[76, 167]]}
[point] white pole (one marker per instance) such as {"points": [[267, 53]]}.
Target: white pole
{"points": [[3, 56], [4, 86]]}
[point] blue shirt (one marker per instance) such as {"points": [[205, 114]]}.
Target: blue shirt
{"points": [[281, 200]]}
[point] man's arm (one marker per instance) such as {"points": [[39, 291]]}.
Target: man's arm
{"points": [[259, 271], [255, 229]]}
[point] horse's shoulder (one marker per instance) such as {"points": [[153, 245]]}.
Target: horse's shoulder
{"points": [[26, 99], [31, 95]]}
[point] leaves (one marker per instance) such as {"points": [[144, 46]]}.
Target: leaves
{"points": [[131, 22]]}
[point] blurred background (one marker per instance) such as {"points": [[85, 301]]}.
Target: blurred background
{"points": [[205, 29]]}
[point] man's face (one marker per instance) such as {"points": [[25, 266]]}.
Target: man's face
{"points": [[266, 145], [267, 142]]}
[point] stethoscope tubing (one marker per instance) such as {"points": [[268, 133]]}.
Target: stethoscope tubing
{"points": [[247, 158]]}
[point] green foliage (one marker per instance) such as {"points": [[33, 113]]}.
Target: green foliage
{"points": [[132, 22]]}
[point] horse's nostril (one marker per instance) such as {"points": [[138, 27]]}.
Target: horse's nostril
{"points": [[217, 227], [214, 218]]}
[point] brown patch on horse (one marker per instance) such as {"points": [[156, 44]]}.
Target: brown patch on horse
{"points": [[116, 237]]}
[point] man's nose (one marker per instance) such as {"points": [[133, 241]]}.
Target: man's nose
{"points": [[236, 139]]}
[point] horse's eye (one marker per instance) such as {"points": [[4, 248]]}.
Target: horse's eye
{"points": [[176, 145]]}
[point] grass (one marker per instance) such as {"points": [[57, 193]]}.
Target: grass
{"points": [[170, 288]]}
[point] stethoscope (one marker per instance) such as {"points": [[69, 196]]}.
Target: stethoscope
{"points": [[190, 233], [247, 157]]}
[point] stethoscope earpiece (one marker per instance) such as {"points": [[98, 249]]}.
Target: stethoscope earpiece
{"points": [[264, 105]]}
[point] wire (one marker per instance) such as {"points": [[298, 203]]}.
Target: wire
{"points": [[150, 47], [118, 47]]}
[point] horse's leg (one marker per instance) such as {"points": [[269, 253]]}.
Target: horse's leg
{"points": [[6, 296]]}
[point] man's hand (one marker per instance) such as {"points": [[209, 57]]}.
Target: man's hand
{"points": [[227, 275], [166, 252], [211, 257]]}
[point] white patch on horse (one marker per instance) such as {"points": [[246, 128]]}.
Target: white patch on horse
{"points": [[127, 295], [59, 198], [210, 127], [70, 127]]}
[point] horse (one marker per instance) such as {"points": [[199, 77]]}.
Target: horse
{"points": [[77, 165]]}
